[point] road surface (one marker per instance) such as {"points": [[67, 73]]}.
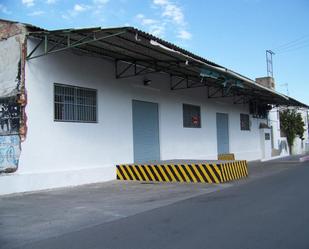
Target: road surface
{"points": [[270, 212]]}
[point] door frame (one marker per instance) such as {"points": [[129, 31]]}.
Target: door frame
{"points": [[159, 124]]}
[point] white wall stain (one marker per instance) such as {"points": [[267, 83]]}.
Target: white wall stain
{"points": [[10, 54]]}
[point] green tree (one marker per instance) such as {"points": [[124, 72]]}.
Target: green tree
{"points": [[292, 124]]}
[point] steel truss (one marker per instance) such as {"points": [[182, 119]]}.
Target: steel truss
{"points": [[65, 43], [179, 82], [127, 68]]}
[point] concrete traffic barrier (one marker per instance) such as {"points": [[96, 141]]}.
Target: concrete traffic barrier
{"points": [[193, 172]]}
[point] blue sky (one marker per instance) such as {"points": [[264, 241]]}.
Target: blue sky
{"points": [[232, 33]]}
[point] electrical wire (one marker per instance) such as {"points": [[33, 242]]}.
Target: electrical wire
{"points": [[294, 45], [293, 49], [291, 43]]}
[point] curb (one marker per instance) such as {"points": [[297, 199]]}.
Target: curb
{"points": [[304, 159]]}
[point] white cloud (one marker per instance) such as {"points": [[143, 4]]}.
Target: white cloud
{"points": [[171, 11], [64, 16], [28, 3], [99, 8], [148, 21], [169, 18], [51, 1], [184, 35], [75, 11], [96, 6], [100, 2], [4, 10], [37, 13], [157, 30], [173, 14], [153, 26], [160, 2], [80, 7], [140, 16]]}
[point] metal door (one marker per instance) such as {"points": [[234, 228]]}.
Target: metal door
{"points": [[145, 131], [222, 133]]}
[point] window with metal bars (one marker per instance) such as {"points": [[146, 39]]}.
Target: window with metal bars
{"points": [[75, 104], [191, 116], [244, 122]]}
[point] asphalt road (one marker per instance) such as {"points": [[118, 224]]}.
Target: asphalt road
{"points": [[271, 212]]}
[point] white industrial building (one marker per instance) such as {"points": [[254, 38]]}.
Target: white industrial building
{"points": [[77, 102]]}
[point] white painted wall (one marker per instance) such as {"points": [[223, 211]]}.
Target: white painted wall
{"points": [[10, 53], [54, 151], [299, 146], [265, 143], [274, 122]]}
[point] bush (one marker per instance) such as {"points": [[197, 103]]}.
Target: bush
{"points": [[292, 124]]}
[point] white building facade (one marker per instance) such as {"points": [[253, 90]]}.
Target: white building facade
{"points": [[85, 145]]}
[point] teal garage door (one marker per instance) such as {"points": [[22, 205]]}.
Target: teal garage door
{"points": [[222, 133], [145, 131]]}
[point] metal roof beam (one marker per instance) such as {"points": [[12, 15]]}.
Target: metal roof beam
{"points": [[69, 46]]}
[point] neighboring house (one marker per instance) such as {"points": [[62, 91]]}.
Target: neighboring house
{"points": [[302, 146], [76, 102], [279, 143]]}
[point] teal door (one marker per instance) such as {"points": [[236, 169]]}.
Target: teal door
{"points": [[145, 131], [222, 133]]}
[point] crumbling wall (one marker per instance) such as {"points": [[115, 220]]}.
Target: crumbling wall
{"points": [[12, 94]]}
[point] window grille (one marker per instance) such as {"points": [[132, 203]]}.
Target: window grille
{"points": [[244, 122], [191, 116], [75, 104]]}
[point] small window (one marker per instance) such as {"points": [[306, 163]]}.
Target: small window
{"points": [[244, 122], [191, 116], [75, 104]]}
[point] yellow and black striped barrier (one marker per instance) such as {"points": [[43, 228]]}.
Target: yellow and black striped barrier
{"points": [[227, 156], [205, 173], [234, 170]]}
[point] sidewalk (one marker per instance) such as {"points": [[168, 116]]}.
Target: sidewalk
{"points": [[35, 216], [259, 169]]}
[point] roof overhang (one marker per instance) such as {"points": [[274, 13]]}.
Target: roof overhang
{"points": [[149, 54]]}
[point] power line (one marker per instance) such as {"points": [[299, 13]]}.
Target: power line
{"points": [[291, 43], [293, 49], [295, 45]]}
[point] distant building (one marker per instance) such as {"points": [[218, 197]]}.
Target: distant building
{"points": [[279, 143]]}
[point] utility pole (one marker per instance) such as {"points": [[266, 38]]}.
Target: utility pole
{"points": [[269, 63]]}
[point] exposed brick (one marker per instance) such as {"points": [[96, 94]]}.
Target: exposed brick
{"points": [[8, 29]]}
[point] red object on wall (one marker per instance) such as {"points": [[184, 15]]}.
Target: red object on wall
{"points": [[195, 120]]}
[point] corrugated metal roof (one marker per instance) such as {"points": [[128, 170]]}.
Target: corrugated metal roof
{"points": [[131, 44], [168, 44]]}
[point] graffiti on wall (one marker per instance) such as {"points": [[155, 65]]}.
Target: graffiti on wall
{"points": [[9, 135], [9, 118], [9, 152], [13, 128]]}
